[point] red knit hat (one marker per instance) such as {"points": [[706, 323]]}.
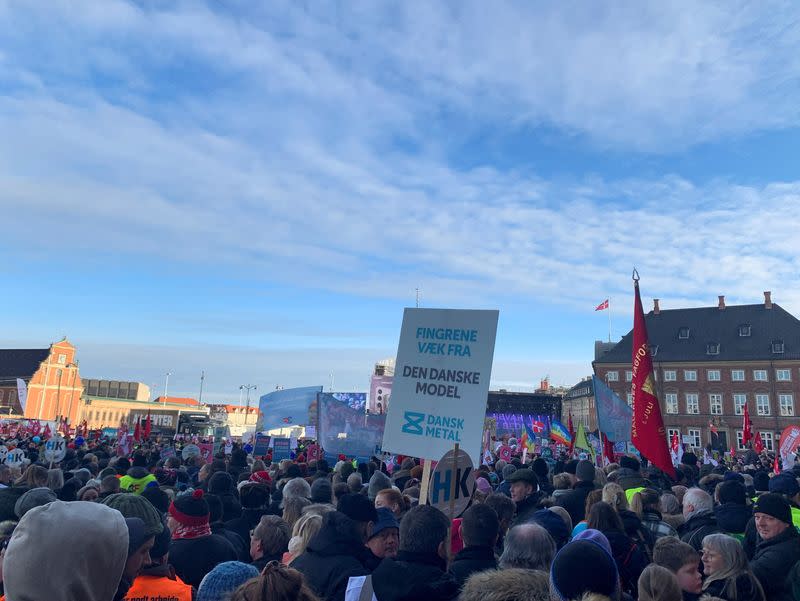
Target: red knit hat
{"points": [[190, 510], [261, 476]]}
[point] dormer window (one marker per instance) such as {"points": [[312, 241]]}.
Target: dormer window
{"points": [[683, 333], [654, 350], [744, 330], [777, 347], [712, 348]]}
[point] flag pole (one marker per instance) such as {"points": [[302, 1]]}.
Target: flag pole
{"points": [[609, 323]]}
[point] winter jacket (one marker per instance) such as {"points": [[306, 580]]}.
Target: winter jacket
{"points": [[332, 556], [242, 548], [746, 589], [136, 480], [732, 518], [247, 522], [574, 501], [526, 508], [698, 526], [158, 582], [196, 557], [635, 529], [627, 479], [544, 485], [630, 558], [470, 560], [772, 562], [410, 577], [262, 561], [657, 527]]}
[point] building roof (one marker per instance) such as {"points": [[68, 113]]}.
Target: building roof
{"points": [[235, 408], [584, 388], [671, 341], [178, 400], [21, 363]]}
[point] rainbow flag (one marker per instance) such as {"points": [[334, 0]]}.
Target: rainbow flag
{"points": [[528, 438], [559, 432]]}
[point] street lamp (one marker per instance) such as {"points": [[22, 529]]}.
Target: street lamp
{"points": [[166, 386], [248, 388]]}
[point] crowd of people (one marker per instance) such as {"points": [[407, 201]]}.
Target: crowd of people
{"points": [[102, 527]]}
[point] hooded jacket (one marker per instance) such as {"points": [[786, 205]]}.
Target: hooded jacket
{"points": [[332, 556], [45, 536], [773, 561], [414, 577], [732, 518], [136, 480]]}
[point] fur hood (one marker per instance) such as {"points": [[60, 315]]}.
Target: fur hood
{"points": [[513, 584]]}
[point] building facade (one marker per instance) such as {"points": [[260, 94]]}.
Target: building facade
{"points": [[115, 389], [709, 363], [110, 412], [578, 401], [237, 417]]}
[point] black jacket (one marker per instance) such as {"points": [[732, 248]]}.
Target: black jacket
{"points": [[242, 548], [333, 555], [526, 508], [772, 562], [265, 559], [470, 560], [246, 523], [574, 501], [413, 577], [732, 518], [193, 559], [699, 525], [746, 589], [630, 558], [627, 478]]}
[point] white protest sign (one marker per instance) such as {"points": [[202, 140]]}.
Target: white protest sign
{"points": [[189, 451], [441, 381], [3, 453], [228, 448], [55, 449], [444, 480], [15, 458]]}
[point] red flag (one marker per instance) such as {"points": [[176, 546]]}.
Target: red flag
{"points": [[647, 426], [675, 443], [747, 432], [758, 445], [47, 432], [608, 449], [602, 306], [147, 426], [571, 429], [776, 465], [137, 432], [712, 427]]}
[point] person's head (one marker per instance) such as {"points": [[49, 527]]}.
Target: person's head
{"points": [[645, 500], [253, 495], [393, 500], [296, 488], [92, 574], [355, 483], [276, 583], [140, 541], [785, 484], [385, 536], [731, 491], [55, 479], [772, 514], [35, 497], [304, 528], [696, 500], [88, 493], [424, 529], [658, 584], [682, 560], [528, 546], [594, 496], [570, 578], [358, 508], [523, 483], [668, 504], [340, 489], [109, 485], [225, 578], [724, 559], [158, 498], [503, 507], [629, 462], [585, 471], [321, 491], [513, 584], [604, 518], [293, 509], [270, 537], [562, 481], [35, 476], [134, 506], [188, 513], [5, 474], [377, 482], [614, 495], [480, 526]]}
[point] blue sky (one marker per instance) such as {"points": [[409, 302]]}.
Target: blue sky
{"points": [[257, 189]]}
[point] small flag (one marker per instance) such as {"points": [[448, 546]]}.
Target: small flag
{"points": [[602, 306], [571, 430], [713, 428], [581, 442], [559, 433], [758, 445], [776, 465], [22, 393], [747, 425], [147, 426]]}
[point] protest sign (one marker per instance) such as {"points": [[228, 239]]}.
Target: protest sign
{"points": [[281, 449], [261, 445], [789, 441], [311, 432], [441, 381], [452, 481], [15, 458], [3, 453], [228, 448], [206, 450], [189, 451], [313, 452], [55, 449]]}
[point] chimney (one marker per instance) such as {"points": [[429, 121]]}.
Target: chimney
{"points": [[721, 305], [656, 308], [767, 299]]}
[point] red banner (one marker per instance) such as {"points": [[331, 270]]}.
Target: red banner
{"points": [[647, 427]]}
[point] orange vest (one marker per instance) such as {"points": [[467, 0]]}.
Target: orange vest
{"points": [[146, 588]]}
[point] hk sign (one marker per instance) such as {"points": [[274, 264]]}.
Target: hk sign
{"points": [[55, 449], [454, 481]]}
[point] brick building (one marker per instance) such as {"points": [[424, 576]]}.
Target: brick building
{"points": [[709, 362], [52, 378], [579, 402]]}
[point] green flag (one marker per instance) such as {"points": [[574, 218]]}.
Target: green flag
{"points": [[581, 442]]}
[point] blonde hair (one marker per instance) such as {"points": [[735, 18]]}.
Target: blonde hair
{"points": [[615, 496], [304, 529], [657, 583], [736, 565]]}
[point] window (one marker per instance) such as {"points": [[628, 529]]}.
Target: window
{"points": [[683, 333], [762, 404], [12, 395], [715, 401], [104, 417], [692, 403], [786, 402], [739, 438], [783, 375], [714, 375], [630, 400], [777, 347], [690, 375], [760, 375], [744, 330], [654, 350], [612, 376], [670, 375], [628, 376], [695, 434], [62, 359], [671, 401], [769, 441], [737, 375], [673, 432], [739, 401], [712, 348]]}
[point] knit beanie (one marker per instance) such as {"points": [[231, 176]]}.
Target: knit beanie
{"points": [[775, 505], [596, 537], [190, 509], [225, 578], [322, 491], [162, 542], [377, 483], [508, 470], [584, 471], [540, 467], [630, 463], [134, 506], [33, 498], [8, 499], [158, 498], [261, 477], [220, 483], [785, 484], [569, 578], [357, 507], [761, 481]]}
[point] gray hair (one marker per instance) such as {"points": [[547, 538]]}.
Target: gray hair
{"points": [[669, 504], [699, 499], [296, 488], [354, 482], [734, 560], [528, 546]]}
